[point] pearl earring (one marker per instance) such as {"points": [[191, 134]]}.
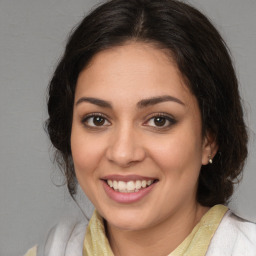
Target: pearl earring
{"points": [[210, 159]]}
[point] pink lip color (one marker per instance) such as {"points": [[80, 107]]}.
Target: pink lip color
{"points": [[126, 198]]}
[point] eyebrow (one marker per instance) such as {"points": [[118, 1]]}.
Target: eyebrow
{"points": [[141, 104], [98, 102], [156, 100]]}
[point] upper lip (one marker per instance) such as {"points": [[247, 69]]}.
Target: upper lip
{"points": [[126, 178]]}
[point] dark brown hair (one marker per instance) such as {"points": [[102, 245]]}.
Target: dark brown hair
{"points": [[203, 59]]}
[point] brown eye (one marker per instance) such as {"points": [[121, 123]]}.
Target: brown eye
{"points": [[159, 121], [94, 121], [98, 121]]}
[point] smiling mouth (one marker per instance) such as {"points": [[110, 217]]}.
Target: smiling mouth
{"points": [[129, 186]]}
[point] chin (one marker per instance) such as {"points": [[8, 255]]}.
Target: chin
{"points": [[127, 220], [129, 225]]}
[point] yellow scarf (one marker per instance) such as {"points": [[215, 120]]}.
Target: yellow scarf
{"points": [[195, 244]]}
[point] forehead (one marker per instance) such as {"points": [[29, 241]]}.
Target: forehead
{"points": [[131, 72]]}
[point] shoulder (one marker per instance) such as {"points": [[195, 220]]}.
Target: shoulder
{"points": [[66, 238], [234, 236]]}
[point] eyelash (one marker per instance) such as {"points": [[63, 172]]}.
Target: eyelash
{"points": [[92, 116], [166, 118]]}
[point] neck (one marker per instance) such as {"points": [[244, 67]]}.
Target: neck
{"points": [[155, 240]]}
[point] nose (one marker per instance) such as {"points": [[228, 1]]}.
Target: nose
{"points": [[125, 148]]}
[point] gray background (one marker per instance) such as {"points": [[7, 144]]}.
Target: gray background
{"points": [[33, 34]]}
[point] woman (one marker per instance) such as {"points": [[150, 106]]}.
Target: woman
{"points": [[143, 111]]}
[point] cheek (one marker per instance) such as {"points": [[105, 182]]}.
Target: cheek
{"points": [[180, 164], [178, 155], [85, 151], [85, 159]]}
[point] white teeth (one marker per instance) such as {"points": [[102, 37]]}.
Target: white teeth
{"points": [[149, 182], [138, 184], [110, 183], [115, 185], [130, 186], [121, 185]]}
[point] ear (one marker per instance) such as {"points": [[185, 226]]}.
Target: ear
{"points": [[209, 148]]}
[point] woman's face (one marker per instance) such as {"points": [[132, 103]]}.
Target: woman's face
{"points": [[136, 137]]}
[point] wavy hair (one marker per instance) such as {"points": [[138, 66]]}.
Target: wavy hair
{"points": [[201, 56]]}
